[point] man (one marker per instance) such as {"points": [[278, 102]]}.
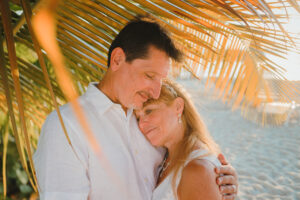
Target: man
{"points": [[138, 60]]}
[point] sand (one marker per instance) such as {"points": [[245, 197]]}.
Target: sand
{"points": [[267, 159]]}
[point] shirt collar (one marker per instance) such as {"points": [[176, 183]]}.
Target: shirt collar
{"points": [[99, 100]]}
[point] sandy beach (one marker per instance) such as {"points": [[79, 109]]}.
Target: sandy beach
{"points": [[266, 159]]}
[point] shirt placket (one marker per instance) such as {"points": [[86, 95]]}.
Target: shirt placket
{"points": [[145, 175]]}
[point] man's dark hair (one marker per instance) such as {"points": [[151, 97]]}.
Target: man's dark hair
{"points": [[138, 35]]}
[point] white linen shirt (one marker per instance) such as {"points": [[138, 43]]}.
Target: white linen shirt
{"points": [[64, 175]]}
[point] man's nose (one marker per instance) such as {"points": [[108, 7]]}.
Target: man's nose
{"points": [[156, 89]]}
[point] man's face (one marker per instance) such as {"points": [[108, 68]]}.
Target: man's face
{"points": [[141, 78]]}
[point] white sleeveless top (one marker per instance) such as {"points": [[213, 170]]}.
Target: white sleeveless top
{"points": [[164, 190]]}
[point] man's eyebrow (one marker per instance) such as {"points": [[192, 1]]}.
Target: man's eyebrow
{"points": [[154, 73], [151, 72]]}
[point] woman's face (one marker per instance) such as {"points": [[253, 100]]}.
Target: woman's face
{"points": [[158, 122]]}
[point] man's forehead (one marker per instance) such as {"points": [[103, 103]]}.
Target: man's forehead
{"points": [[161, 70], [157, 61], [163, 73]]}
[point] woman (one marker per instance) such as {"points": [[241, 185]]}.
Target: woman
{"points": [[173, 122]]}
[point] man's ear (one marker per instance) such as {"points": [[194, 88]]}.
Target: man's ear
{"points": [[179, 105], [117, 58]]}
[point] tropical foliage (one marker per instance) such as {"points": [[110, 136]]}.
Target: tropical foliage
{"points": [[227, 41], [17, 184]]}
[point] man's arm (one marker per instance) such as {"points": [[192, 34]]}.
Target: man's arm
{"points": [[61, 174], [227, 179]]}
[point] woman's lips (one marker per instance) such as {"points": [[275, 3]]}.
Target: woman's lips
{"points": [[149, 130]]}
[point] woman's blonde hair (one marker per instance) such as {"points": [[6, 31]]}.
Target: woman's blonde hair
{"points": [[194, 127]]}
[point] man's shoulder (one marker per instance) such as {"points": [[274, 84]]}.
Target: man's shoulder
{"points": [[66, 112], [53, 125], [53, 116]]}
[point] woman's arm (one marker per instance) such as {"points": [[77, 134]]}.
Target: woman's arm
{"points": [[198, 182]]}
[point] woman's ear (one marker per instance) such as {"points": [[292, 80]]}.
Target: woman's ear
{"points": [[117, 58], [179, 105]]}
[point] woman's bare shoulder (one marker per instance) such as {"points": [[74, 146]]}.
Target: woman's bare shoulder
{"points": [[199, 171], [198, 181]]}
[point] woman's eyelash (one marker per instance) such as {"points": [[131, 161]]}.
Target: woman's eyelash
{"points": [[148, 111]]}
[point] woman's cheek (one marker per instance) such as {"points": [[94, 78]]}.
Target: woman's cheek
{"points": [[152, 117]]}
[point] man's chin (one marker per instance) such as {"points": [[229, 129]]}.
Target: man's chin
{"points": [[136, 105], [133, 106]]}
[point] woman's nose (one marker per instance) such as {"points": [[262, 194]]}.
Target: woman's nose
{"points": [[142, 124]]}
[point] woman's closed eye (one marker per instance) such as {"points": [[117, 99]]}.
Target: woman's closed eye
{"points": [[148, 111], [145, 112]]}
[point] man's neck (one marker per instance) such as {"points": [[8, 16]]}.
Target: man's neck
{"points": [[106, 85]]}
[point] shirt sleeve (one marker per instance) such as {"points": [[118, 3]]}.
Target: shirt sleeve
{"points": [[61, 173]]}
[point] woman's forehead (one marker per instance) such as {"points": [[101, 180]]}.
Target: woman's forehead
{"points": [[153, 104]]}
